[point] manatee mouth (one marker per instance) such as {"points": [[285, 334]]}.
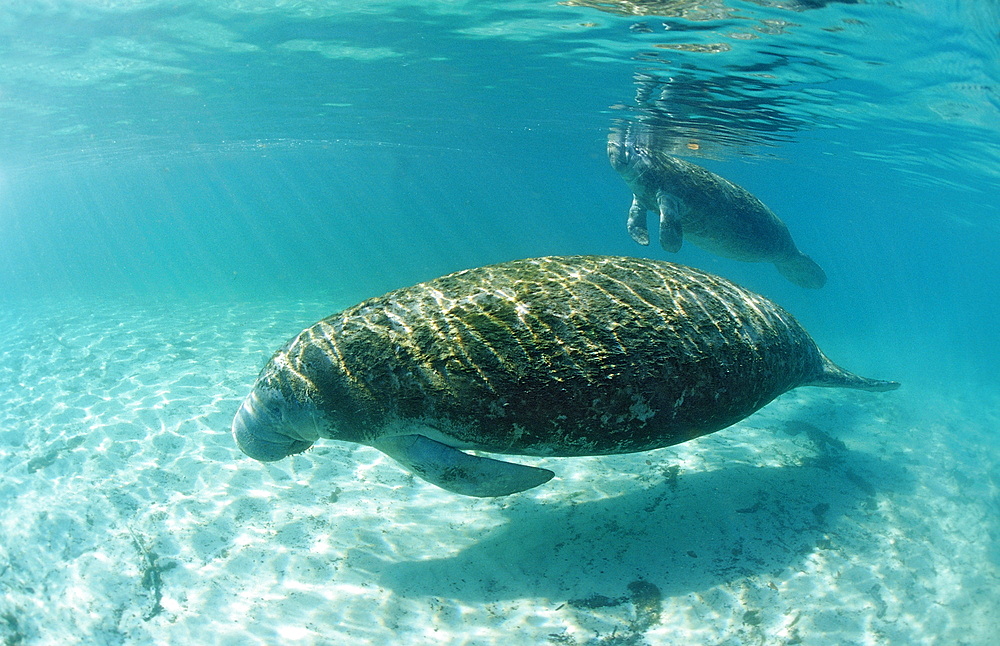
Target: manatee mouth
{"points": [[260, 429]]}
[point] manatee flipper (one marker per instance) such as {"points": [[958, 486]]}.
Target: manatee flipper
{"points": [[671, 233], [802, 270], [460, 472], [637, 223]]}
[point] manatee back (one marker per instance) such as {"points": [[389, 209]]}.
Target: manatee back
{"points": [[723, 217], [576, 355]]}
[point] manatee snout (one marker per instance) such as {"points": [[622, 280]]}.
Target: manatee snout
{"points": [[267, 428], [618, 150]]}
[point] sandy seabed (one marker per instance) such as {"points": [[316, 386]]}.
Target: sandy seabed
{"points": [[128, 516]]}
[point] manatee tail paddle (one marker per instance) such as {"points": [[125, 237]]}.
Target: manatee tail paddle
{"points": [[833, 376], [803, 271]]}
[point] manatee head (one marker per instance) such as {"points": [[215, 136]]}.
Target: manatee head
{"points": [[620, 150], [270, 425], [628, 151]]}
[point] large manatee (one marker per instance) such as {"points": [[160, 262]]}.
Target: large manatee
{"points": [[694, 203], [557, 356]]}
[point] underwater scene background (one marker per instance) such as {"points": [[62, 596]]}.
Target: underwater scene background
{"points": [[184, 186]]}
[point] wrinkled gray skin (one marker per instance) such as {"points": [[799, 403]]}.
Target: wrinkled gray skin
{"points": [[696, 204], [557, 356]]}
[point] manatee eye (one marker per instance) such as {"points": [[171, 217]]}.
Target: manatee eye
{"points": [[268, 405]]}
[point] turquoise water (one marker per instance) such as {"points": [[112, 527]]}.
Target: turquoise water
{"points": [[186, 185]]}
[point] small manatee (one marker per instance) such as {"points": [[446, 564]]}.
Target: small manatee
{"points": [[694, 203]]}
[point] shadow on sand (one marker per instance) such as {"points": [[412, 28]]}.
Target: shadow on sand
{"points": [[687, 533]]}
